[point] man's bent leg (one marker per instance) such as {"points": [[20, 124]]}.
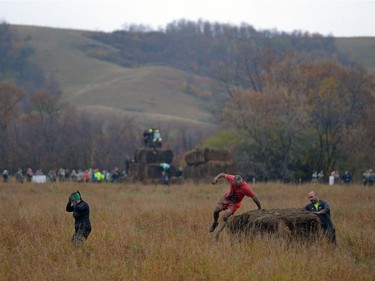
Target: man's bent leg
{"points": [[218, 209], [227, 215]]}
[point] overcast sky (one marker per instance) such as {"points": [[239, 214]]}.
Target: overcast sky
{"points": [[327, 17]]}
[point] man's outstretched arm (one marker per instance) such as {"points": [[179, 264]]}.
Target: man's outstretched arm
{"points": [[219, 176]]}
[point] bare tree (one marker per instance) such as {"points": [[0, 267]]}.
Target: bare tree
{"points": [[10, 96]]}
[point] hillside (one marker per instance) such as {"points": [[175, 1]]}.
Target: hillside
{"points": [[88, 82], [143, 92], [359, 49]]}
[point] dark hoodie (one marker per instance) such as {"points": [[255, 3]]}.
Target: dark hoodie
{"points": [[81, 214]]}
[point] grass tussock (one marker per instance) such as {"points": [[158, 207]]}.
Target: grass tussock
{"points": [[161, 233]]}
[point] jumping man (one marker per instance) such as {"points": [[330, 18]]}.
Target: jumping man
{"points": [[231, 200]]}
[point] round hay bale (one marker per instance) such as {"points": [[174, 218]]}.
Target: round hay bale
{"points": [[292, 223]]}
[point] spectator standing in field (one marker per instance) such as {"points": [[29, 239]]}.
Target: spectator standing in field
{"points": [[29, 174], [73, 176], [165, 172], [19, 176], [323, 210], [5, 175], [81, 215], [314, 177], [52, 175], [346, 177], [115, 175], [61, 174], [231, 200], [321, 176], [127, 166], [368, 178], [86, 176]]}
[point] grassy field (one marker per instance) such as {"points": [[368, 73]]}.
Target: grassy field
{"points": [[161, 233]]}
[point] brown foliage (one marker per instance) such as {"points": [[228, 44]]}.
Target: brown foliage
{"points": [[10, 96]]}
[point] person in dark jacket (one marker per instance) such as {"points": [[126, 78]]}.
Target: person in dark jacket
{"points": [[81, 214], [346, 177], [322, 209]]}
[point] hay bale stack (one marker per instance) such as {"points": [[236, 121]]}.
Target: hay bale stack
{"points": [[288, 223], [209, 169], [137, 171], [206, 163], [218, 155], [148, 155], [203, 155], [146, 166], [195, 157], [141, 171]]}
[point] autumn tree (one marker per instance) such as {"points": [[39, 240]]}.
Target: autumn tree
{"points": [[338, 97], [10, 97], [116, 141], [44, 129], [307, 115]]}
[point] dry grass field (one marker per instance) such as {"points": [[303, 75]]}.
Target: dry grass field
{"points": [[161, 233]]}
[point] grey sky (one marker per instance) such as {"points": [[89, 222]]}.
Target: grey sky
{"points": [[338, 18]]}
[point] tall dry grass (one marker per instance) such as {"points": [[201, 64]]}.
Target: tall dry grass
{"points": [[161, 233]]}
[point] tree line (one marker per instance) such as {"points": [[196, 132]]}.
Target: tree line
{"points": [[197, 46], [291, 115], [48, 133]]}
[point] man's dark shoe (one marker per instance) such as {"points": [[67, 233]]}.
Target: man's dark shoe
{"points": [[213, 226]]}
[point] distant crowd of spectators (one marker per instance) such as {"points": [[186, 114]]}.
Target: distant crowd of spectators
{"points": [[368, 177], [61, 175]]}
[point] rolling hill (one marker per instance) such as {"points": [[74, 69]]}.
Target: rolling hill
{"points": [[99, 85], [359, 49], [153, 92]]}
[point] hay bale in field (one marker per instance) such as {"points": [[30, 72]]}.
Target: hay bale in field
{"points": [[149, 155], [137, 171], [203, 155], [218, 155], [208, 170], [207, 162], [195, 157], [288, 223], [141, 172], [153, 171]]}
